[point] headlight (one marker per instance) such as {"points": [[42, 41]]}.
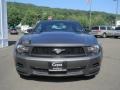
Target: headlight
{"points": [[94, 49], [26, 42], [22, 49]]}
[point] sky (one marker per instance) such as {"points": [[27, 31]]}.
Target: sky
{"points": [[97, 5]]}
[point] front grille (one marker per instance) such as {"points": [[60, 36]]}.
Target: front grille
{"points": [[58, 51]]}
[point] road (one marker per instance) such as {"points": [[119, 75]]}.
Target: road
{"points": [[107, 79]]}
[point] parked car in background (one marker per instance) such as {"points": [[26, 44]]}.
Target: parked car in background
{"points": [[27, 30], [86, 29], [58, 48], [117, 32], [102, 31], [13, 31]]}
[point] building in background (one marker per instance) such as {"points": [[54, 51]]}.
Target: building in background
{"points": [[117, 23]]}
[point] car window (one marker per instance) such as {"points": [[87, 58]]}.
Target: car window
{"points": [[117, 28], [59, 26], [95, 28], [102, 28], [109, 28]]}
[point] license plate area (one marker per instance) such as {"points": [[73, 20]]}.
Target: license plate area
{"points": [[57, 67]]}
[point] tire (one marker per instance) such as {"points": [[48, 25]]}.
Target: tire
{"points": [[24, 76], [104, 35], [90, 77], [115, 36], [96, 36]]}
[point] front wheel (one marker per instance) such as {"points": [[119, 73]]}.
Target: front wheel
{"points": [[90, 77], [24, 76], [104, 35], [115, 36]]}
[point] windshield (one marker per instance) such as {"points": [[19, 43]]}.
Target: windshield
{"points": [[59, 26]]}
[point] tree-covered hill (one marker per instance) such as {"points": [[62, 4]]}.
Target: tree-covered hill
{"points": [[30, 14]]}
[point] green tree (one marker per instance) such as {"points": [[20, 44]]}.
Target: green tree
{"points": [[31, 17], [14, 17], [30, 14]]}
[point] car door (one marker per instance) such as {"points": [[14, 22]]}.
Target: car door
{"points": [[117, 31], [110, 31], [103, 30]]}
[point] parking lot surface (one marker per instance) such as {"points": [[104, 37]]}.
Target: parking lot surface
{"points": [[107, 79]]}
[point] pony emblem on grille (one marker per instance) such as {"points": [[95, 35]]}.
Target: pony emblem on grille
{"points": [[58, 51]]}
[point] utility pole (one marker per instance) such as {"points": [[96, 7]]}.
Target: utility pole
{"points": [[117, 7], [3, 24], [90, 14]]}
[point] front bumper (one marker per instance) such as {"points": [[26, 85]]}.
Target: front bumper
{"points": [[75, 66]]}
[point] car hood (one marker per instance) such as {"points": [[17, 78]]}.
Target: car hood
{"points": [[60, 38]]}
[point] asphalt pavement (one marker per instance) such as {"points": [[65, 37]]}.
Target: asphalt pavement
{"points": [[107, 79]]}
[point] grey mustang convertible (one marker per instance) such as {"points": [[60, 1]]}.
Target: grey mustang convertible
{"points": [[58, 48]]}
